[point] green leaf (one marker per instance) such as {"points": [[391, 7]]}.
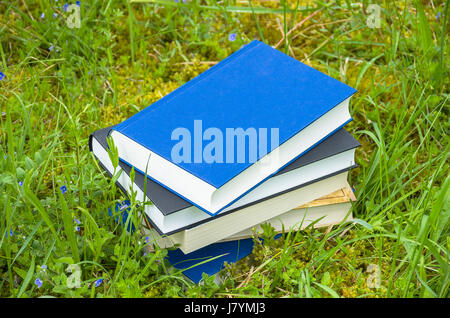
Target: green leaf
{"points": [[326, 279], [33, 199], [425, 37], [328, 290], [65, 260], [27, 279], [116, 176], [113, 152], [27, 241], [363, 223], [20, 272], [69, 228], [7, 178]]}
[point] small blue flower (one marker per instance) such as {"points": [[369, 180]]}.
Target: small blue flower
{"points": [[55, 15], [43, 269], [38, 282], [98, 282], [77, 228], [42, 15], [78, 3], [63, 189], [20, 183], [50, 48], [65, 7], [232, 37], [2, 76], [77, 221], [10, 233], [147, 240], [438, 15]]}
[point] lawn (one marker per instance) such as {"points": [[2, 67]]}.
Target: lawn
{"points": [[61, 81]]}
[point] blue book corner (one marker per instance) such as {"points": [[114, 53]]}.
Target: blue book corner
{"points": [[231, 252], [257, 86], [121, 215]]}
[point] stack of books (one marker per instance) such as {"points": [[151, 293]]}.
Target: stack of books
{"points": [[256, 138]]}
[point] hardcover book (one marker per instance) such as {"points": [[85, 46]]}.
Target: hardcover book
{"points": [[179, 140]]}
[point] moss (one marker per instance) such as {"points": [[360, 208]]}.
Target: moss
{"points": [[346, 268]]}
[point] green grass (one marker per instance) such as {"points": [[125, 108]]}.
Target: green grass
{"points": [[127, 55]]}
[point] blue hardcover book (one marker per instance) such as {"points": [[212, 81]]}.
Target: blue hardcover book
{"points": [[227, 130]]}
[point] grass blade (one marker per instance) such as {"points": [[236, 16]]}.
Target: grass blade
{"points": [[69, 227], [27, 279]]}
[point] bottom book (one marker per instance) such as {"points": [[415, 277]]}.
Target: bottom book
{"points": [[210, 259]]}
